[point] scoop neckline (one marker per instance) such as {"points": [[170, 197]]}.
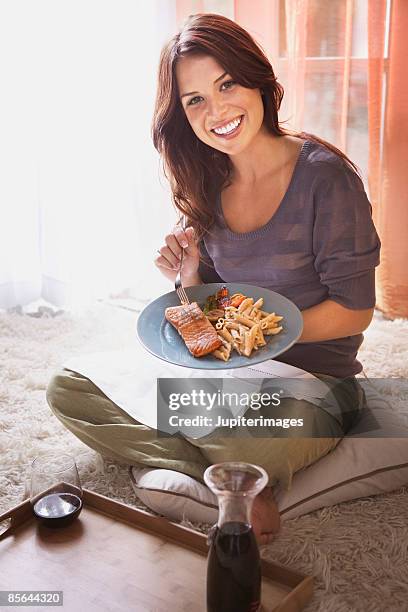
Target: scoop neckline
{"points": [[261, 230]]}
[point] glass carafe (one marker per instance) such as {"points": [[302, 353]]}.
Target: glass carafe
{"points": [[234, 566]]}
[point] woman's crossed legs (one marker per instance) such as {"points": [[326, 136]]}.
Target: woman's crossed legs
{"points": [[88, 413]]}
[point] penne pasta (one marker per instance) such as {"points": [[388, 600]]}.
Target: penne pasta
{"points": [[268, 324], [219, 354], [271, 325], [244, 305], [225, 342], [269, 318], [266, 314], [250, 340], [273, 331], [245, 320], [260, 340], [243, 327], [247, 345], [253, 334], [229, 312], [226, 335], [231, 325]]}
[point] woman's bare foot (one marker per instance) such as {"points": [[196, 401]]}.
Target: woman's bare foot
{"points": [[265, 517]]}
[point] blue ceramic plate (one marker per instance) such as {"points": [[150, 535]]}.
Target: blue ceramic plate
{"points": [[161, 339]]}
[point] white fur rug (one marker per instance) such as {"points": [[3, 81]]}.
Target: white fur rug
{"points": [[357, 550]]}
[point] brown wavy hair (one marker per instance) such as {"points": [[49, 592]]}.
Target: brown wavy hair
{"points": [[197, 173]]}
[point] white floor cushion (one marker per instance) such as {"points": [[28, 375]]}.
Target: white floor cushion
{"points": [[358, 467]]}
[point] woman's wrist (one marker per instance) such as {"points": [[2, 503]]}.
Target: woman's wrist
{"points": [[191, 280]]}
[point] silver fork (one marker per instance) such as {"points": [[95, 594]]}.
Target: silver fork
{"points": [[182, 295]]}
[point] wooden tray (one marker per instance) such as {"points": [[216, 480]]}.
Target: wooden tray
{"points": [[117, 558]]}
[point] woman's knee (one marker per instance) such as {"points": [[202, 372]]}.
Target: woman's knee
{"points": [[66, 391], [55, 389]]}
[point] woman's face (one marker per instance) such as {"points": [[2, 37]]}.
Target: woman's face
{"points": [[222, 114]]}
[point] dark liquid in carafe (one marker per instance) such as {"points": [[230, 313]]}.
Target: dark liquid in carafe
{"points": [[57, 509], [234, 570]]}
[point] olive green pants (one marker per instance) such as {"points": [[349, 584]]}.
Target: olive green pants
{"points": [[105, 427]]}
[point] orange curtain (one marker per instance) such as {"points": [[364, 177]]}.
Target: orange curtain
{"points": [[388, 133], [376, 39], [260, 22]]}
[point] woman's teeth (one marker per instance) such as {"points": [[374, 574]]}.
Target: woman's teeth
{"points": [[230, 127]]}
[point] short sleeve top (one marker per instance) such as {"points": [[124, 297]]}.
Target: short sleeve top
{"points": [[320, 244]]}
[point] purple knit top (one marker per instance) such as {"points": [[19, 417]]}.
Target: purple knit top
{"points": [[320, 244]]}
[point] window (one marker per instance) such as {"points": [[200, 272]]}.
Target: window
{"points": [[335, 73]]}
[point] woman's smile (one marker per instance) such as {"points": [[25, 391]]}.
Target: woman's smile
{"points": [[229, 129]]}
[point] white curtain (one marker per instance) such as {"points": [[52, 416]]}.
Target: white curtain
{"points": [[83, 206]]}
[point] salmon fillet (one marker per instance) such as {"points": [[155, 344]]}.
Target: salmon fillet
{"points": [[194, 327]]}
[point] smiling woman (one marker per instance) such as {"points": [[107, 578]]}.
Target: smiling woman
{"points": [[265, 207]]}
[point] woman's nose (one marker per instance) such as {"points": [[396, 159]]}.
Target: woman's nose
{"points": [[216, 109]]}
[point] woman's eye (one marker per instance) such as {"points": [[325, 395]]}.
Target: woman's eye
{"points": [[228, 84], [194, 101]]}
